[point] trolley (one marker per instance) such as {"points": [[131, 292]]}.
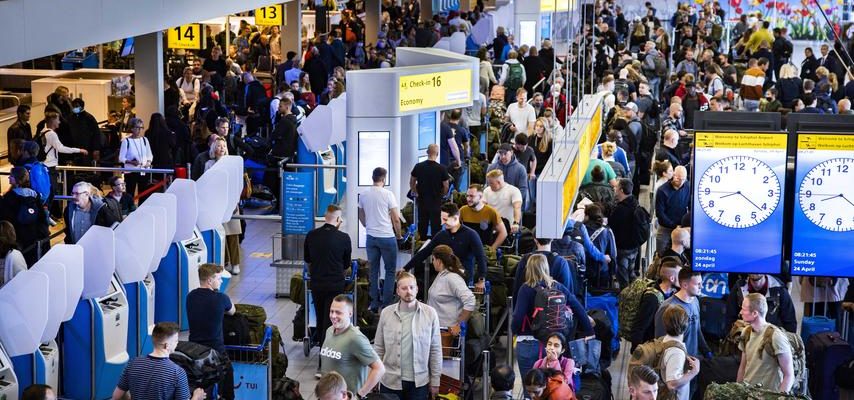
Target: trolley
{"points": [[453, 361], [253, 368], [309, 315]]}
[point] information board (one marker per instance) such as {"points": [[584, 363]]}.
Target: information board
{"points": [[373, 152], [737, 202], [823, 224], [426, 129], [437, 90], [270, 15], [184, 37], [298, 196]]}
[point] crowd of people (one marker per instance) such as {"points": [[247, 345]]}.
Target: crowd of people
{"points": [[250, 98]]}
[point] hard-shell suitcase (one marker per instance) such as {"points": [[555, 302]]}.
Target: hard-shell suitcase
{"points": [[826, 351], [816, 324]]}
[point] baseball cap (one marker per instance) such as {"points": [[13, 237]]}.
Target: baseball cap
{"points": [[632, 106]]}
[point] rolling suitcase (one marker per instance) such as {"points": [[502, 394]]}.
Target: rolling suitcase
{"points": [[814, 324], [826, 352]]}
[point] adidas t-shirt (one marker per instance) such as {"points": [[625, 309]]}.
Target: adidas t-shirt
{"points": [[349, 353]]}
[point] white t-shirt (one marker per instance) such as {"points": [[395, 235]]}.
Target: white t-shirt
{"points": [[674, 367], [376, 203], [521, 116], [502, 200]]}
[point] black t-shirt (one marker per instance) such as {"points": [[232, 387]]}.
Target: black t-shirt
{"points": [[205, 311], [430, 175], [525, 157]]}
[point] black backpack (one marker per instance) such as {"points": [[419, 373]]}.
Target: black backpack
{"points": [[42, 142], [203, 365], [649, 138], [30, 211], [286, 388], [235, 330], [640, 227], [551, 313]]}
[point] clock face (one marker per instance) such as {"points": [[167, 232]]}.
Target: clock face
{"points": [[739, 191], [826, 195]]}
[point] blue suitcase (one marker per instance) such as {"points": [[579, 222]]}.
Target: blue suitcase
{"points": [[826, 351], [608, 303], [816, 324]]}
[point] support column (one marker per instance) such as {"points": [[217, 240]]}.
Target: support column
{"points": [[465, 5], [292, 30], [426, 10], [373, 12], [148, 84]]}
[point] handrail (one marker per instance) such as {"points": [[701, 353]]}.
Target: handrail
{"points": [[335, 166], [40, 241], [114, 169]]}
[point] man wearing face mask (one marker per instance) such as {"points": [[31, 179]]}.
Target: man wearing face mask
{"points": [[327, 253], [84, 130], [781, 309]]}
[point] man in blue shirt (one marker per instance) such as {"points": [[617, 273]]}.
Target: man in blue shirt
{"points": [[206, 308], [155, 376], [689, 288], [671, 204]]}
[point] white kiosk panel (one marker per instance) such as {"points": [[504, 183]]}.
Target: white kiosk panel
{"points": [[233, 165], [24, 312], [316, 130], [71, 257], [211, 190], [339, 119], [170, 203], [160, 242], [99, 262], [187, 208], [58, 298], [134, 246]]}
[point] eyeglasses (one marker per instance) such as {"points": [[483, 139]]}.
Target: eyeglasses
{"points": [[137, 127], [75, 194]]}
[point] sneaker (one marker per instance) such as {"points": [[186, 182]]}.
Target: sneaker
{"points": [[317, 375], [51, 221], [235, 270]]}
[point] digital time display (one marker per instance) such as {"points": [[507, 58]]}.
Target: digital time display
{"points": [[823, 223], [738, 199]]}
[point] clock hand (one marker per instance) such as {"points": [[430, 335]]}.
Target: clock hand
{"points": [[846, 199], [749, 201], [838, 195], [730, 194]]}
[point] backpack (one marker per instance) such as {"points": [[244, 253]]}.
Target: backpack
{"points": [[30, 211], [649, 138], [642, 226], [746, 391], [235, 330], [660, 66], [42, 141], [651, 354], [621, 86], [799, 352], [256, 317], [630, 300], [286, 388], [40, 180], [515, 74], [551, 313], [203, 364]]}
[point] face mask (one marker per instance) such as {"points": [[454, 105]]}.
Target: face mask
{"points": [[77, 110]]}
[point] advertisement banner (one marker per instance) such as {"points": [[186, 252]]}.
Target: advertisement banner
{"points": [[250, 381]]}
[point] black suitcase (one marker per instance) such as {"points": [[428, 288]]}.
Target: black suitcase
{"points": [[713, 320], [595, 387], [605, 333], [203, 365], [235, 330], [826, 351], [722, 369]]}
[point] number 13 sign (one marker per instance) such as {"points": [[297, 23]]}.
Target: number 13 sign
{"points": [[185, 37]]}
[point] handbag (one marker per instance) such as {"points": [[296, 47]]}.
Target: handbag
{"points": [[586, 354]]}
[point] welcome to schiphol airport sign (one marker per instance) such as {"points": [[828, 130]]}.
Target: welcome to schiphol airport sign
{"points": [[436, 90]]}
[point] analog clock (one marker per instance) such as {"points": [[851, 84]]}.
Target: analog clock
{"points": [[826, 194], [739, 191]]}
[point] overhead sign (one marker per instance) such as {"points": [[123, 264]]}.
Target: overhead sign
{"points": [[823, 224], [738, 203], [184, 37], [270, 15], [570, 189], [437, 90], [547, 6]]}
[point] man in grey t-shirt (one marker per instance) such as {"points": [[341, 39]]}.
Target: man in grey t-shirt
{"points": [[347, 351]]}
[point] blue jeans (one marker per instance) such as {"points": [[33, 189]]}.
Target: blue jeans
{"points": [[532, 193], [751, 105], [527, 353], [626, 266], [387, 249], [409, 392], [653, 87]]}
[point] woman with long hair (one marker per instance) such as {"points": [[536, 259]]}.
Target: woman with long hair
{"points": [[11, 259], [162, 141], [541, 141], [789, 86], [449, 295]]}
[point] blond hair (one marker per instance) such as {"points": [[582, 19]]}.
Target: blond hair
{"points": [[537, 270]]}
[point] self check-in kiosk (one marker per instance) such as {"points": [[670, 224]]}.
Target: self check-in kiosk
{"points": [[136, 239], [95, 340], [178, 272], [24, 303], [321, 144], [220, 193], [167, 204]]}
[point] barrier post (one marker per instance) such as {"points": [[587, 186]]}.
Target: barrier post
{"points": [[510, 330], [485, 380]]}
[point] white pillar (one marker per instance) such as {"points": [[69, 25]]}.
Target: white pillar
{"points": [[292, 30], [148, 85], [372, 21]]}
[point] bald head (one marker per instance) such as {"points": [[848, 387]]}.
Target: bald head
{"points": [[433, 151], [844, 105]]}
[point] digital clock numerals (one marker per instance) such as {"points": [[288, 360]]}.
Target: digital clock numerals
{"points": [[739, 191], [826, 195]]}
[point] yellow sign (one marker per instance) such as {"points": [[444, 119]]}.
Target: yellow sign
{"points": [[570, 189], [826, 142], [564, 5], [438, 90], [708, 140], [270, 15], [185, 37], [547, 6]]}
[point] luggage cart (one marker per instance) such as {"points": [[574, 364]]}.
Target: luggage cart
{"points": [[310, 318], [484, 304], [453, 358], [252, 364]]}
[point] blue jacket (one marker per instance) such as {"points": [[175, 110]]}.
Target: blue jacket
{"points": [[514, 174], [672, 204], [524, 308], [605, 244], [558, 270]]}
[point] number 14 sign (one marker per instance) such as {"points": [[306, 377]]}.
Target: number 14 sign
{"points": [[184, 37]]}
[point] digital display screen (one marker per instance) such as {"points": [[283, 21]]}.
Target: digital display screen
{"points": [[426, 129], [823, 223], [127, 47], [373, 152], [738, 201]]}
